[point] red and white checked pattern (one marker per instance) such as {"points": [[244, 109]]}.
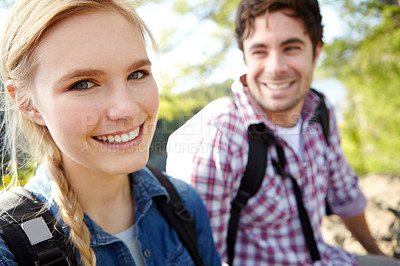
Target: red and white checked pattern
{"points": [[211, 150]]}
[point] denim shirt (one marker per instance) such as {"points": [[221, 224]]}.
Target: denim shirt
{"points": [[158, 242]]}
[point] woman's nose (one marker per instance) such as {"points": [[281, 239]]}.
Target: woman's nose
{"points": [[122, 104]]}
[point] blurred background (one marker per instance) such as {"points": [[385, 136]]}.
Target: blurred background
{"points": [[359, 71]]}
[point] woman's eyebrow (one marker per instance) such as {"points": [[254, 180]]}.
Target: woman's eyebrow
{"points": [[139, 63], [80, 73]]}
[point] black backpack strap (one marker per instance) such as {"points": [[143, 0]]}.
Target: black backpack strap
{"points": [[304, 219], [177, 216], [250, 183], [322, 115], [30, 231], [259, 140]]}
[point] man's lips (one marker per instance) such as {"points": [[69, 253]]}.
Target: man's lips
{"points": [[280, 86]]}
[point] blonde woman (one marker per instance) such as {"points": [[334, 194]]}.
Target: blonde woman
{"points": [[80, 92]]}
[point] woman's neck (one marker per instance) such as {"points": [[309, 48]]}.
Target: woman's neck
{"points": [[107, 199]]}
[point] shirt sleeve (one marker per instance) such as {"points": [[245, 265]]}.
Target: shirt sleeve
{"points": [[200, 153], [195, 205], [344, 194], [6, 257]]}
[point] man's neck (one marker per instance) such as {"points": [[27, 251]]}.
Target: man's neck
{"points": [[283, 119]]}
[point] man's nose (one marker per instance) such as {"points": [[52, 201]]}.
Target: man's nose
{"points": [[275, 64]]}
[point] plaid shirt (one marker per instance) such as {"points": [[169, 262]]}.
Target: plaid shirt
{"points": [[210, 151]]}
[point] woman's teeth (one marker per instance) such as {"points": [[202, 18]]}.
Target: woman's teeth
{"points": [[120, 138]]}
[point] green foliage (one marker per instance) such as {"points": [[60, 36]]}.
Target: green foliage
{"points": [[24, 173], [190, 102], [219, 16], [220, 11], [370, 69], [365, 60]]}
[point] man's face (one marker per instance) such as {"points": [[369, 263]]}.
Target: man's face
{"points": [[280, 60]]}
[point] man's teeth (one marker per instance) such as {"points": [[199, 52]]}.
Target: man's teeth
{"points": [[277, 87], [120, 138]]}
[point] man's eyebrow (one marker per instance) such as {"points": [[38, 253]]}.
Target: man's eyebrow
{"points": [[286, 42], [257, 45], [293, 40]]}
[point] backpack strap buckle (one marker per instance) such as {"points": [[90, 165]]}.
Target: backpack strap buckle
{"points": [[241, 199], [52, 257], [184, 214]]}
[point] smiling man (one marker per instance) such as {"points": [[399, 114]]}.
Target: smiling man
{"points": [[281, 41]]}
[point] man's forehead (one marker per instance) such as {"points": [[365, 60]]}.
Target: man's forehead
{"points": [[273, 22]]}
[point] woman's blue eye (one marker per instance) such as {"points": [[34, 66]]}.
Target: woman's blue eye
{"points": [[137, 75], [82, 85]]}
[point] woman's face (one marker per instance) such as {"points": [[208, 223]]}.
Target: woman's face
{"points": [[95, 92]]}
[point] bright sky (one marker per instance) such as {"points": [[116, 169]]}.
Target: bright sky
{"points": [[3, 14]]}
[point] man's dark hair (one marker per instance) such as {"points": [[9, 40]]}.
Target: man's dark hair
{"points": [[305, 10]]}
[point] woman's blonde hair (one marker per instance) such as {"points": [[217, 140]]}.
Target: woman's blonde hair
{"points": [[27, 21]]}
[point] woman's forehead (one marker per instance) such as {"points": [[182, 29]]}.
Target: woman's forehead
{"points": [[100, 40]]}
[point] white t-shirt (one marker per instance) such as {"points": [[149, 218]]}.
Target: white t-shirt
{"points": [[292, 136], [129, 238]]}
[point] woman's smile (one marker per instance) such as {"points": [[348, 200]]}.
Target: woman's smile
{"points": [[120, 138]]}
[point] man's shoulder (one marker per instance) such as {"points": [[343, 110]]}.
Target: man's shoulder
{"points": [[218, 125], [218, 113], [219, 110]]}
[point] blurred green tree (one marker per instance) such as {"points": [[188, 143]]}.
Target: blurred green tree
{"points": [[367, 61]]}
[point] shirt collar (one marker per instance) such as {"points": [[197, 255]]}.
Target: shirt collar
{"points": [[145, 186]]}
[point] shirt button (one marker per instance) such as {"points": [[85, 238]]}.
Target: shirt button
{"points": [[146, 253]]}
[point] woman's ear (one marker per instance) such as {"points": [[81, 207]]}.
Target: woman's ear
{"points": [[26, 107]]}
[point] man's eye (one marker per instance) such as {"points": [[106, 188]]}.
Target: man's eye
{"points": [[258, 52], [292, 48], [82, 85], [137, 75]]}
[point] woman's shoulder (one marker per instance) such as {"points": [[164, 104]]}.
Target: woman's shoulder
{"points": [[6, 257], [186, 191], [187, 194], [19, 220]]}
